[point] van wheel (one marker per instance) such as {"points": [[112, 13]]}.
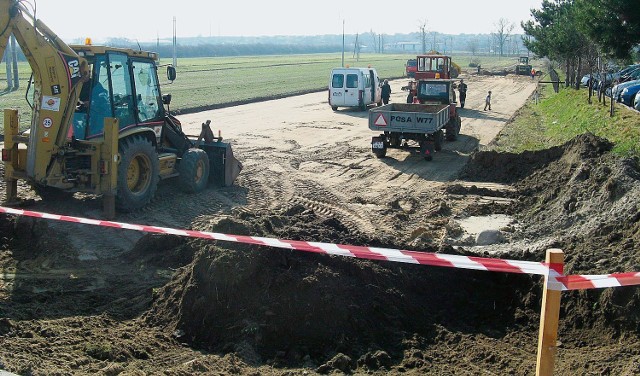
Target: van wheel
{"points": [[335, 108]]}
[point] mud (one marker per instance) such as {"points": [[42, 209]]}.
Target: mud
{"points": [[87, 300]]}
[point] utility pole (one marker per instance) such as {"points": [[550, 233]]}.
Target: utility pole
{"points": [[343, 43], [14, 56], [175, 51]]}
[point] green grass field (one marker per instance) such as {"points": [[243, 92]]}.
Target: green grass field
{"points": [[558, 118], [214, 82]]}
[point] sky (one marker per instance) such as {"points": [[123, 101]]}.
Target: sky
{"points": [[145, 20]]}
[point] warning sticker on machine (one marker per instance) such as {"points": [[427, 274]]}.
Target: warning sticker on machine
{"points": [[381, 121], [50, 103]]}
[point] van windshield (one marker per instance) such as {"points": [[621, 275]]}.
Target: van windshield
{"points": [[352, 81]]}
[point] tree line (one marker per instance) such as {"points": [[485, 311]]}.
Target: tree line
{"points": [[584, 35]]}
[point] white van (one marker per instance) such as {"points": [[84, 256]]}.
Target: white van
{"points": [[354, 87]]}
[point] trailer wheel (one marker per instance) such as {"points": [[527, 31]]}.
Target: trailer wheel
{"points": [[335, 108], [194, 170], [379, 146], [438, 140], [138, 173], [427, 149], [453, 128], [380, 153]]}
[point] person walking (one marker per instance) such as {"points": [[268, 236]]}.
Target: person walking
{"points": [[487, 101], [462, 88], [386, 92]]}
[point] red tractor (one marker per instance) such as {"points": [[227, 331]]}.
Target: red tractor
{"points": [[435, 66], [434, 84]]}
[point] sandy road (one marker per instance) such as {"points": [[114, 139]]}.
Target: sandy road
{"points": [[297, 150]]}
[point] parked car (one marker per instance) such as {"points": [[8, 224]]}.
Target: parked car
{"points": [[602, 80], [628, 94], [636, 105], [621, 74], [633, 74], [617, 89], [586, 79]]}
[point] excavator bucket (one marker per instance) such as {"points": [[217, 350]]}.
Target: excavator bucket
{"points": [[224, 168]]}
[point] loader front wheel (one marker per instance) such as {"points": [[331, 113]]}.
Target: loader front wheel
{"points": [[194, 170], [138, 173]]}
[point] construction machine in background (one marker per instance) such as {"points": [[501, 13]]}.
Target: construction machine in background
{"points": [[523, 67], [99, 124]]}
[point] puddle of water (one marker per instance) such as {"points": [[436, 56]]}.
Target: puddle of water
{"points": [[477, 224]]}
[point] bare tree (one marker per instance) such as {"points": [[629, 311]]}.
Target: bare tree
{"points": [[472, 45], [423, 35], [375, 42], [503, 31], [434, 46]]}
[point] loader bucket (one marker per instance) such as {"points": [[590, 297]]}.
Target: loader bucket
{"points": [[224, 167]]}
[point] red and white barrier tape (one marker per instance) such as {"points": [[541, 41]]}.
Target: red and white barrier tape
{"points": [[557, 280]]}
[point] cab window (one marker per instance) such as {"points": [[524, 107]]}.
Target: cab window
{"points": [[122, 93], [148, 100], [99, 97]]}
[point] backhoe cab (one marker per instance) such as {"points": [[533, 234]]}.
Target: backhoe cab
{"points": [[99, 125]]}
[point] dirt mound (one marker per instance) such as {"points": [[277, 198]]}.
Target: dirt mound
{"points": [[290, 308], [583, 199], [503, 167]]}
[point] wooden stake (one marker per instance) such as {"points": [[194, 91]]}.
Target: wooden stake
{"points": [[549, 317]]}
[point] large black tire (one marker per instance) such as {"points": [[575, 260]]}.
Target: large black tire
{"points": [[453, 128], [380, 153], [194, 170], [438, 140], [138, 173]]}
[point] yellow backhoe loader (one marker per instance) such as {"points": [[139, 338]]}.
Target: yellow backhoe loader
{"points": [[99, 124]]}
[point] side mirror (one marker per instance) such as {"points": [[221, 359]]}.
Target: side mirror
{"points": [[171, 73]]}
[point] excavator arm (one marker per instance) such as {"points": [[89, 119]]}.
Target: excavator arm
{"points": [[58, 74]]}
